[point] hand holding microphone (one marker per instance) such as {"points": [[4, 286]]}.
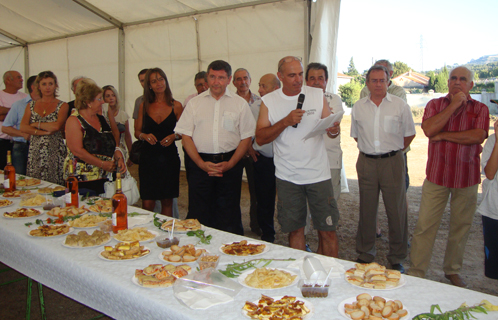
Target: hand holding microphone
{"points": [[300, 101]]}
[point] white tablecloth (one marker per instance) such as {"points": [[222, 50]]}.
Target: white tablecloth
{"points": [[107, 287]]}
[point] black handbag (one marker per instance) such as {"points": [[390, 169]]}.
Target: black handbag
{"points": [[135, 151], [137, 145]]}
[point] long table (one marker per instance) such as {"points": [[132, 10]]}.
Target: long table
{"points": [[106, 286]]}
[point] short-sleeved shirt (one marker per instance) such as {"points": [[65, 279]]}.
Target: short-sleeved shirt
{"points": [[15, 115], [381, 129], [189, 98], [7, 100], [217, 126], [255, 105], [451, 164], [297, 160], [489, 203], [333, 146]]}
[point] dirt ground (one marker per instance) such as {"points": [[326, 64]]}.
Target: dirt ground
{"points": [[13, 296]]}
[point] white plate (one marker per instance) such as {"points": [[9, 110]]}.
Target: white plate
{"points": [[96, 226], [41, 212], [265, 250], [9, 205], [340, 308], [161, 257], [135, 282], [51, 237], [308, 304], [40, 206], [401, 283], [244, 275], [181, 232], [155, 233], [71, 247], [146, 255]]}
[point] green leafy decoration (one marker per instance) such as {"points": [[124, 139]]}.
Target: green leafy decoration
{"points": [[235, 269], [200, 234], [462, 313]]}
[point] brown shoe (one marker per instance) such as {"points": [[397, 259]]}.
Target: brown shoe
{"points": [[456, 280]]}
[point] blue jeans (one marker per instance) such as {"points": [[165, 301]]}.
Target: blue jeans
{"points": [[20, 156]]}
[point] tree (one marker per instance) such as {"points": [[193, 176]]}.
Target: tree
{"points": [[442, 81], [350, 92], [351, 69], [432, 80], [400, 68]]}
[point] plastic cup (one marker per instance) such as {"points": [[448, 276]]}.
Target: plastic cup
{"points": [[313, 269]]}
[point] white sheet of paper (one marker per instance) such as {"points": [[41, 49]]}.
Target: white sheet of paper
{"points": [[323, 124]]}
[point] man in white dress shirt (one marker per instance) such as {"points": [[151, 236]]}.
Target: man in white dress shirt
{"points": [[301, 167], [382, 124], [217, 128]]}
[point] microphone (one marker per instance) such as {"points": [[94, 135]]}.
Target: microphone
{"points": [[300, 102]]}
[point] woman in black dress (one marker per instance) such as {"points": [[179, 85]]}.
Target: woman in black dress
{"points": [[159, 167]]}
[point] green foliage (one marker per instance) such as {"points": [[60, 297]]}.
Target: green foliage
{"points": [[352, 69], [400, 68], [441, 84], [350, 92], [235, 269], [461, 313], [478, 87], [432, 80]]}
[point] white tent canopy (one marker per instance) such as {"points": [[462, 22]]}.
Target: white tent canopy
{"points": [[111, 41]]}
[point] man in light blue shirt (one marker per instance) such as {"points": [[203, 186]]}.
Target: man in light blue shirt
{"points": [[11, 126]]}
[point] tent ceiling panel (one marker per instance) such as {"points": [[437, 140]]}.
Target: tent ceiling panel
{"points": [[6, 42], [127, 11], [169, 45], [94, 57], [45, 19], [12, 59], [52, 56]]}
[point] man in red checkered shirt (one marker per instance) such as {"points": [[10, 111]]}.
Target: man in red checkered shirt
{"points": [[456, 126]]}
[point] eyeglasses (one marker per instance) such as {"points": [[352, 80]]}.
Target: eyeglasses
{"points": [[378, 80]]}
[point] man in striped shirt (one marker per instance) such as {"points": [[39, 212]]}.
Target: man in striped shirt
{"points": [[456, 126]]}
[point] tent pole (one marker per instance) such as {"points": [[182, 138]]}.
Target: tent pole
{"points": [[307, 42], [199, 62], [121, 63], [26, 66]]}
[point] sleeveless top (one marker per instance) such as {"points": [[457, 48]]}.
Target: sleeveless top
{"points": [[98, 143]]}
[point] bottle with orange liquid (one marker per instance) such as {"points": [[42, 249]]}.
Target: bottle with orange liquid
{"points": [[72, 195], [9, 175], [119, 208]]}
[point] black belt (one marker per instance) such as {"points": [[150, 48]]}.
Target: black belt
{"points": [[381, 156], [218, 157], [27, 142]]}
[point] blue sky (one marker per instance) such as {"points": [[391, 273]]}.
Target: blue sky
{"points": [[453, 32]]}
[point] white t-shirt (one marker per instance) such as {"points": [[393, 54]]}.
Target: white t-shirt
{"points": [[6, 100], [489, 204], [298, 161], [381, 129]]}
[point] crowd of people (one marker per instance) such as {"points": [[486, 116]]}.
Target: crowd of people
{"points": [[224, 132]]}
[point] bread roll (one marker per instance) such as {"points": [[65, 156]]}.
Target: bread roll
{"points": [[402, 313], [365, 296], [357, 315], [387, 311]]}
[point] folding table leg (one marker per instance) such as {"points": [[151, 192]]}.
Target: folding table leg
{"points": [[28, 302], [42, 301]]}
